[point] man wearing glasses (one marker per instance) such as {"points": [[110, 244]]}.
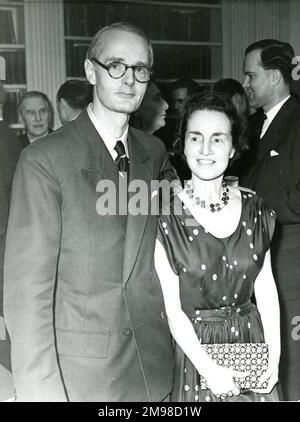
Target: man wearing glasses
{"points": [[82, 300]]}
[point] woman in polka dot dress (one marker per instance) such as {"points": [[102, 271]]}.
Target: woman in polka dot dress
{"points": [[212, 256]]}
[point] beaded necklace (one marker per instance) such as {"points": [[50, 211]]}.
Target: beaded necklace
{"points": [[212, 207]]}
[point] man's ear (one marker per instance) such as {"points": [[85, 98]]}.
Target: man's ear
{"points": [[90, 71], [232, 153], [63, 104], [276, 77], [64, 107]]}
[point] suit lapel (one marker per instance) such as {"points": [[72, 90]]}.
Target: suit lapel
{"points": [[271, 138], [101, 165], [140, 169]]}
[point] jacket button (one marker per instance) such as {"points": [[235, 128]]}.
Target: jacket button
{"points": [[126, 331]]}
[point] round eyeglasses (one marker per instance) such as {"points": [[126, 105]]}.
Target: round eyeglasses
{"points": [[118, 69]]}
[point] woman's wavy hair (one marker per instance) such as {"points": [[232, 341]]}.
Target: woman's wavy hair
{"points": [[221, 102]]}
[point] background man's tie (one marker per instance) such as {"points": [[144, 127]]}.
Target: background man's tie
{"points": [[121, 161], [263, 123]]}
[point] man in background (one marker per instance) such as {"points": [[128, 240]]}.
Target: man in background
{"points": [[181, 91], [273, 171], [72, 97], [36, 113]]}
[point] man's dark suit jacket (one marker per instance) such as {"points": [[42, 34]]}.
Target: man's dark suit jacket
{"points": [[274, 173], [9, 154], [108, 339], [24, 140]]}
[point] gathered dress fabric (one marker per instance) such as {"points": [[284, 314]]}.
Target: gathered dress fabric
{"points": [[216, 277]]}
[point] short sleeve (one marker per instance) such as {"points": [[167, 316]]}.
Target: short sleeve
{"points": [[167, 238], [268, 216]]}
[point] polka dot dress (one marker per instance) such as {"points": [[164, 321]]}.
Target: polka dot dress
{"points": [[217, 273]]}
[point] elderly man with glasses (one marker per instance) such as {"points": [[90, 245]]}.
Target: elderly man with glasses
{"points": [[83, 304]]}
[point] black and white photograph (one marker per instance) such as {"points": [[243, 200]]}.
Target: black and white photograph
{"points": [[149, 204]]}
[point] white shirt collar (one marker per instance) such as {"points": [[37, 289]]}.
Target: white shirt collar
{"points": [[272, 113], [105, 134], [31, 139]]}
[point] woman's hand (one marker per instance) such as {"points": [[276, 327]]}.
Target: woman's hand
{"points": [[220, 381], [271, 375]]}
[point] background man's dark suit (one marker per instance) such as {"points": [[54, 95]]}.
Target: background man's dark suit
{"points": [[24, 140], [108, 338], [9, 153], [274, 173]]}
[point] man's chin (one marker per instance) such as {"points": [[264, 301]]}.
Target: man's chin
{"points": [[39, 134], [126, 109]]}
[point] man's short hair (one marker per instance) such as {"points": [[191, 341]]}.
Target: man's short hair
{"points": [[191, 85], [77, 93], [124, 26], [33, 94], [275, 55], [229, 86]]}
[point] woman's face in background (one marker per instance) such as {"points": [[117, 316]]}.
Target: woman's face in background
{"points": [[152, 111]]}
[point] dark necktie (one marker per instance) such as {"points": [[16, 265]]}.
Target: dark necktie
{"points": [[262, 119], [121, 161], [262, 126]]}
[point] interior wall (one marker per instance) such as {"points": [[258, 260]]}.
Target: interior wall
{"points": [[294, 25], [45, 47]]}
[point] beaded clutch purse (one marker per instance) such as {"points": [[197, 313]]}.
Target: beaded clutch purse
{"points": [[244, 357]]}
